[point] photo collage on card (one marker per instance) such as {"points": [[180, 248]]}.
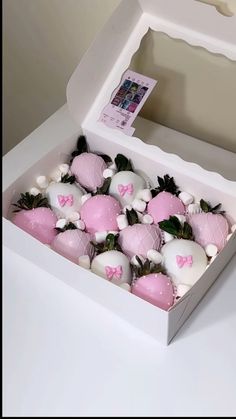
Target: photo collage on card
{"points": [[129, 95]]}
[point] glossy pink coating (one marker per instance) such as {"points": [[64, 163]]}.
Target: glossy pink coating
{"points": [[72, 244], [209, 228], [99, 213], [164, 205], [88, 169], [157, 289], [139, 238], [39, 222]]}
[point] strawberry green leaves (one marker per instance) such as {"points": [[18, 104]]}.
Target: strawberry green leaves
{"points": [[166, 184], [174, 227], [28, 201], [122, 163]]}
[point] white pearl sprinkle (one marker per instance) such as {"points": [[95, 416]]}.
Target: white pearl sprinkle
{"points": [[61, 223], [139, 205], [85, 197], [42, 182], [211, 250], [64, 168], [108, 173], [186, 198], [84, 261], [34, 191], [147, 219], [80, 224], [154, 256]]}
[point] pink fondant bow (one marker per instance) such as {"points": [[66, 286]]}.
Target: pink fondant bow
{"points": [[65, 200], [123, 189], [113, 272], [184, 260]]}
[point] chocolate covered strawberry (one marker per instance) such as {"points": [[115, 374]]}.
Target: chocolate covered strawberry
{"points": [[33, 215], [64, 197], [165, 200], [210, 226], [151, 284], [138, 239], [99, 213], [72, 243], [184, 260], [110, 263], [88, 167], [125, 184]]}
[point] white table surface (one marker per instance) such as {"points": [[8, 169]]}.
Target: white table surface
{"points": [[64, 355]]}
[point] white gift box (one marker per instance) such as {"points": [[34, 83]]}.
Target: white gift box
{"points": [[88, 91]]}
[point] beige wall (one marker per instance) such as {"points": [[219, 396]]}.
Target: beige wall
{"points": [[43, 41]]}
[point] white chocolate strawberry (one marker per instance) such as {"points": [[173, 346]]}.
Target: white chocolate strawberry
{"points": [[64, 197], [87, 167], [138, 239], [184, 260], [125, 184], [166, 201], [210, 226], [113, 266], [111, 263]]}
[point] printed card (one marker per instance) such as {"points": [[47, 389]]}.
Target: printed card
{"points": [[127, 101]]}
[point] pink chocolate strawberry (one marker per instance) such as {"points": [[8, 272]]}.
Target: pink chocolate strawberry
{"points": [[152, 285], [34, 216], [72, 243], [138, 239], [99, 213], [88, 167], [210, 226], [165, 202]]}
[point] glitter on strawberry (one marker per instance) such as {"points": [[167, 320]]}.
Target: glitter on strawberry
{"points": [[153, 285], [99, 213], [34, 216], [165, 200]]}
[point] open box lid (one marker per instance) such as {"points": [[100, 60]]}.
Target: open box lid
{"points": [[101, 68]]}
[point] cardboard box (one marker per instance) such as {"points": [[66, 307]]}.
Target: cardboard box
{"points": [[101, 70]]}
